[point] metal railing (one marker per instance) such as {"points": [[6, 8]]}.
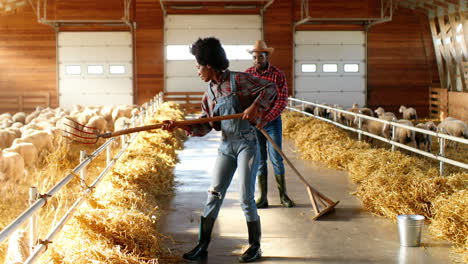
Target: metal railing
{"points": [[359, 117], [37, 201]]}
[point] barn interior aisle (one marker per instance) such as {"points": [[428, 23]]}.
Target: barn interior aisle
{"points": [[348, 235]]}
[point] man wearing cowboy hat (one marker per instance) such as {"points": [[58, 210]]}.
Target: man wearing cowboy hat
{"points": [[263, 69]]}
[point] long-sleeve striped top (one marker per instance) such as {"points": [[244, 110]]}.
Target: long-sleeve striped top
{"points": [[250, 90], [275, 75]]}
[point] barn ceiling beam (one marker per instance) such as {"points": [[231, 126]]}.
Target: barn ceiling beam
{"points": [[171, 5], [40, 8], [386, 13]]}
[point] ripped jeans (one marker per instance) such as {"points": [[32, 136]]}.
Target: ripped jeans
{"points": [[234, 154]]}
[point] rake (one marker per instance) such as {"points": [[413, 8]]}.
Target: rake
{"points": [[321, 203], [90, 135]]}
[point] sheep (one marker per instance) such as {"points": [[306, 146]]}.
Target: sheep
{"points": [[98, 122], [6, 123], [404, 135], [27, 150], [309, 109], [349, 118], [41, 140], [376, 127], [6, 138], [408, 113], [11, 165], [17, 125], [19, 117], [366, 111], [31, 117], [336, 115], [424, 141], [453, 127], [106, 112], [119, 111], [120, 123], [381, 113]]}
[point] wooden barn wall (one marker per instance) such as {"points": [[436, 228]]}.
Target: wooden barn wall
{"points": [[27, 55], [149, 49], [401, 63], [277, 32], [458, 106]]}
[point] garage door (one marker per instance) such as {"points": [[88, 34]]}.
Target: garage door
{"points": [[237, 33], [330, 67], [95, 68]]}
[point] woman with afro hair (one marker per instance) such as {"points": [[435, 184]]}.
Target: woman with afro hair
{"points": [[229, 93]]}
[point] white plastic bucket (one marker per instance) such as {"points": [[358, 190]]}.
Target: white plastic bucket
{"points": [[409, 230]]}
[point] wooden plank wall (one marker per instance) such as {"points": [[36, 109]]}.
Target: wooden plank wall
{"points": [[458, 105], [277, 31], [401, 63], [27, 55], [149, 50], [401, 56]]}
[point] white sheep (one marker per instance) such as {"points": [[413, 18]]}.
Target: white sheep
{"points": [[381, 113], [27, 150], [123, 110], [349, 118], [120, 123], [11, 165], [376, 127], [408, 113], [453, 127], [98, 122], [6, 138], [19, 117], [41, 140]]}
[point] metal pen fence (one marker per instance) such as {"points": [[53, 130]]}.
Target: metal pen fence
{"points": [[37, 201], [359, 117]]}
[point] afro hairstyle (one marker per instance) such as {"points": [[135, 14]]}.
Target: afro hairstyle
{"points": [[208, 51]]}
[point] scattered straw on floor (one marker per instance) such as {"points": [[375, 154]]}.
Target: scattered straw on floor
{"points": [[389, 183]]}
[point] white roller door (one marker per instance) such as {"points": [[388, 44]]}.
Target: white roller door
{"points": [[330, 67], [95, 68], [236, 33]]}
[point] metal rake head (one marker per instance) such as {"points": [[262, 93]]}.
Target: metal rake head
{"points": [[79, 133]]}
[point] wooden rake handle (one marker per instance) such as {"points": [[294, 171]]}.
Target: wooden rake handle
{"points": [[176, 123], [275, 146]]}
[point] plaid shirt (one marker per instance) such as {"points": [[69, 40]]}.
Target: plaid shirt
{"points": [[275, 75], [250, 90]]}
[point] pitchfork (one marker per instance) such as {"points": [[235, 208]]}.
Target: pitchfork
{"points": [[90, 135]]}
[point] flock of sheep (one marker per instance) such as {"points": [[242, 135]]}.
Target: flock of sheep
{"points": [[449, 125], [24, 137]]}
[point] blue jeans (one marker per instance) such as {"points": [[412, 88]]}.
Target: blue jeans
{"points": [[234, 154], [274, 130]]}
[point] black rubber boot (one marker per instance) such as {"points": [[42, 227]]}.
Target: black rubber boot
{"points": [[285, 201], [262, 202], [204, 238], [253, 252]]}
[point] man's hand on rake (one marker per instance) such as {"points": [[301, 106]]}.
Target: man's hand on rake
{"points": [[170, 125]]}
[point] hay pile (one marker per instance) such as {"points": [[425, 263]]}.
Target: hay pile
{"points": [[118, 224], [388, 183]]}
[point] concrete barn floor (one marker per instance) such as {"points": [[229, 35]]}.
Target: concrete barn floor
{"points": [[348, 235]]}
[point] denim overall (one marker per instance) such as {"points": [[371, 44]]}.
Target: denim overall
{"points": [[237, 151]]}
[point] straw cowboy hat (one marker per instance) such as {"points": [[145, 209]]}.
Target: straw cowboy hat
{"points": [[261, 46]]}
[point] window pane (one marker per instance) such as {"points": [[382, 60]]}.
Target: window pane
{"points": [[73, 69], [238, 52], [330, 68], [351, 68], [308, 67], [117, 69], [233, 52], [179, 52], [95, 69]]}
